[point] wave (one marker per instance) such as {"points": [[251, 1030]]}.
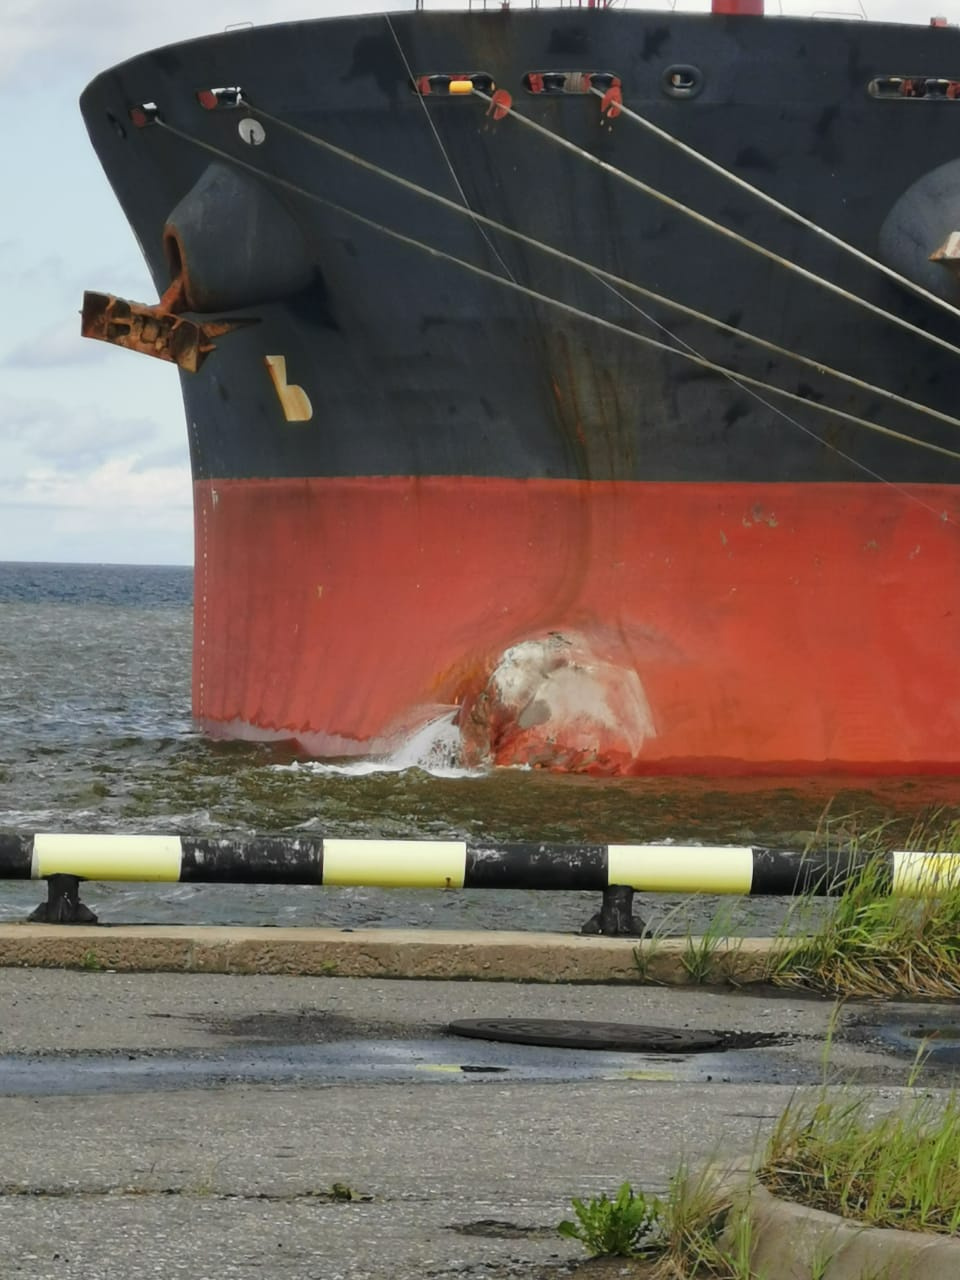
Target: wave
{"points": [[434, 748]]}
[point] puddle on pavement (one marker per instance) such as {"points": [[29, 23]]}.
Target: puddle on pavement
{"points": [[440, 1059], [930, 1032]]}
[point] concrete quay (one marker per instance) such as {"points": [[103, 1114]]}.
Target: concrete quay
{"points": [[488, 955]]}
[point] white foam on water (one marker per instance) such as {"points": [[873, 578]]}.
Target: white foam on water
{"points": [[434, 748]]}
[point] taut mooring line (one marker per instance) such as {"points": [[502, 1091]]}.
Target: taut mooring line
{"points": [[566, 307]]}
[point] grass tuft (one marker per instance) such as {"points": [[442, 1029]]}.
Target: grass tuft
{"points": [[876, 944], [698, 1238], [900, 1169], [701, 953], [871, 944]]}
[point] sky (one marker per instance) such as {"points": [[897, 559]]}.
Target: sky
{"points": [[93, 452]]}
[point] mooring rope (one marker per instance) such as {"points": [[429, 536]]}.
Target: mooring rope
{"points": [[789, 418], [678, 207], [513, 285], [598, 273], [771, 201]]}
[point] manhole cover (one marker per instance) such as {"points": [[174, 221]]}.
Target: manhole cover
{"points": [[561, 1033]]}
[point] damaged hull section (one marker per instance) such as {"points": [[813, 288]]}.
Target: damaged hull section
{"points": [[588, 626]]}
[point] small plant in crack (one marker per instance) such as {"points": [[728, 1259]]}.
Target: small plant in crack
{"points": [[625, 1226]]}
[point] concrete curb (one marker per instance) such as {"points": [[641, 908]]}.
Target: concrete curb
{"points": [[376, 953], [793, 1242]]}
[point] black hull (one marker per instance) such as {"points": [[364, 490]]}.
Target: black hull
{"points": [[414, 366]]}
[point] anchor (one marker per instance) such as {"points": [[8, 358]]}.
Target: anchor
{"points": [[159, 330]]}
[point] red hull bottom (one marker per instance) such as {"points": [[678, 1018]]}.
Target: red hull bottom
{"points": [[603, 627]]}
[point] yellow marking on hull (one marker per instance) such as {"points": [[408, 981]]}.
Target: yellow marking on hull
{"points": [[293, 399]]}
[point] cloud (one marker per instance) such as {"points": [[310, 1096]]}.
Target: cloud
{"points": [[173, 456], [114, 513], [20, 271], [88, 38], [55, 281], [59, 345], [118, 484], [79, 483], [70, 438]]}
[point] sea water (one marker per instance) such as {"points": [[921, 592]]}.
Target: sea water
{"points": [[96, 735]]}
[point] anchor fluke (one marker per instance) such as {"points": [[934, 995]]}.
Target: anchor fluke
{"points": [[158, 330]]}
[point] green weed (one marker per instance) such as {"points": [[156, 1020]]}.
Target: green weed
{"points": [[343, 1193], [622, 1227]]}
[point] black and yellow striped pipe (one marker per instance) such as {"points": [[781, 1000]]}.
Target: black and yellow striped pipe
{"points": [[462, 864]]}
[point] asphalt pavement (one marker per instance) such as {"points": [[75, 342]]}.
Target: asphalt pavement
{"points": [[300, 1127]]}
